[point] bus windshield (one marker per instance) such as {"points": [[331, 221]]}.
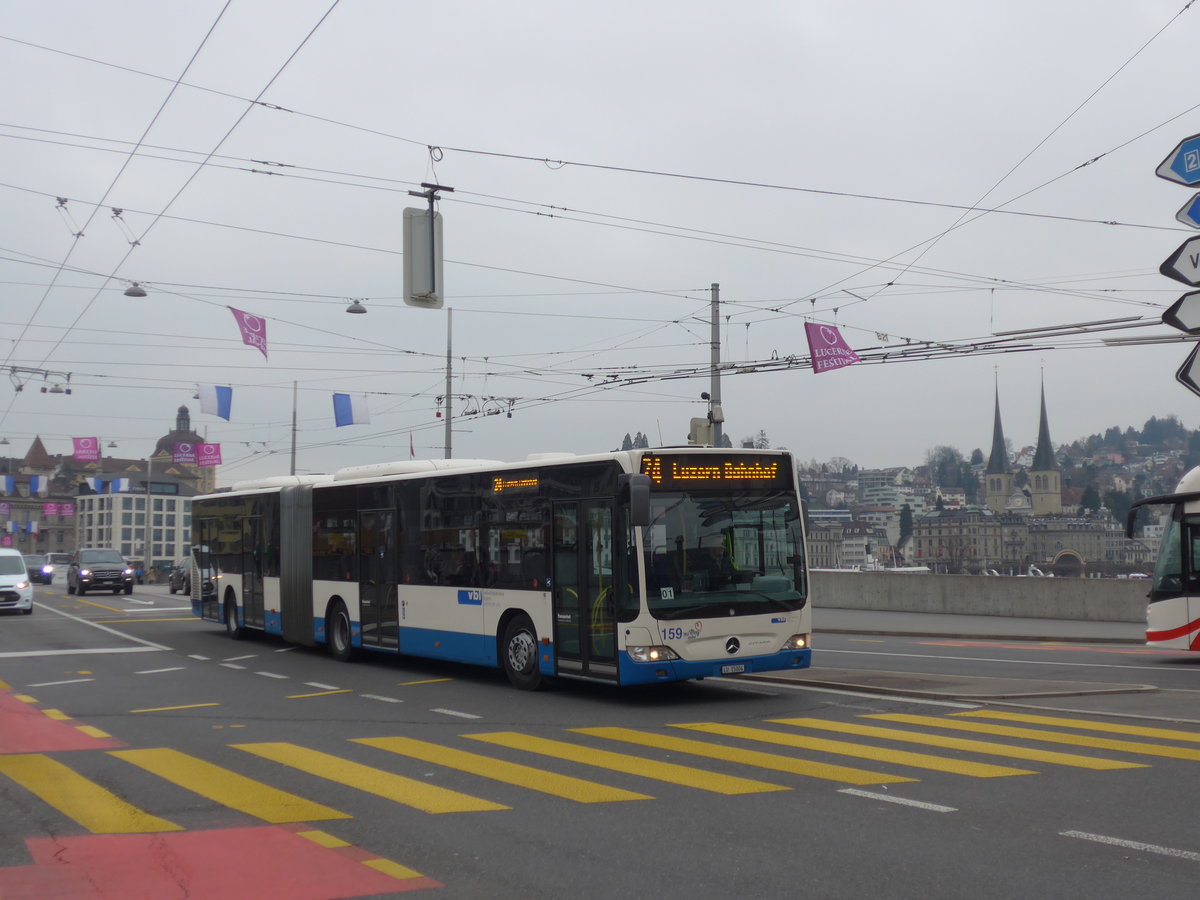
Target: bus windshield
{"points": [[722, 555]]}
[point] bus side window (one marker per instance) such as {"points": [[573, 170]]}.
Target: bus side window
{"points": [[1193, 551]]}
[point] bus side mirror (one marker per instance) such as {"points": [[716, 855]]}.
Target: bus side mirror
{"points": [[635, 489]]}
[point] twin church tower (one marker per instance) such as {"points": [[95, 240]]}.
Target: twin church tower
{"points": [[1042, 496]]}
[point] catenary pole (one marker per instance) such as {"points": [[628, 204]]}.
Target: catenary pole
{"points": [[714, 390]]}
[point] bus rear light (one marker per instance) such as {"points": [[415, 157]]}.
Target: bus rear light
{"points": [[651, 654], [798, 642]]}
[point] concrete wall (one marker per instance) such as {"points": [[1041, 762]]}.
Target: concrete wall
{"points": [[1088, 599]]}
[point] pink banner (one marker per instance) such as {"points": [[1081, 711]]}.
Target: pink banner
{"points": [[87, 449], [66, 510], [254, 329], [208, 454], [827, 348], [5, 509], [49, 509], [6, 541], [184, 453]]}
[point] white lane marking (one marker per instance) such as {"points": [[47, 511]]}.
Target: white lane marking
{"points": [[270, 675], [454, 712], [816, 689], [157, 671], [919, 804], [129, 637], [53, 683], [199, 657], [381, 697], [322, 687], [161, 609], [1021, 662], [143, 602], [288, 649], [232, 666], [18, 654], [236, 658], [1133, 845]]}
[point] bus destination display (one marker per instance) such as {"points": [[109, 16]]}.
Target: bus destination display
{"points": [[695, 471]]}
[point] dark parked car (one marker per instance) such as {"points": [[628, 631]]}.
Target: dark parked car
{"points": [[98, 568], [38, 568], [180, 577]]}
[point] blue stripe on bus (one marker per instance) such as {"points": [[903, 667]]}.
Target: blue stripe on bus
{"points": [[451, 645], [273, 622], [677, 670]]}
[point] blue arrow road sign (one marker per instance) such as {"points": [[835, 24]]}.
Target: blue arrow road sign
{"points": [[1183, 165], [1190, 213]]}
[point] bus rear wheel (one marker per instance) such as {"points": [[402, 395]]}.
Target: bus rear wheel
{"points": [[231, 622], [519, 654], [337, 633]]}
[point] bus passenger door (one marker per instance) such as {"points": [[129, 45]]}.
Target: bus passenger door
{"points": [[582, 588], [252, 571], [378, 608]]}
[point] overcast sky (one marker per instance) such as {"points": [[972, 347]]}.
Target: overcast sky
{"points": [[610, 162]]}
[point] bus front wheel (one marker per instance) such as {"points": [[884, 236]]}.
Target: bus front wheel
{"points": [[337, 633], [519, 654]]}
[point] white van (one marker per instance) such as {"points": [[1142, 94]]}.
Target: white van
{"points": [[16, 590]]}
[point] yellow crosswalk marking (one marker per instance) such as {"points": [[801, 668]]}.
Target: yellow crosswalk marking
{"points": [[843, 774], [499, 770], [1053, 737], [95, 808], [388, 785], [862, 751], [1168, 734], [228, 788], [633, 765], [953, 743]]}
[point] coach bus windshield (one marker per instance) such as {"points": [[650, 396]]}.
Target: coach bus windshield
{"points": [[722, 555]]}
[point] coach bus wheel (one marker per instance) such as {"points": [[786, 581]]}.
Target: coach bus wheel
{"points": [[519, 653], [337, 633], [231, 622]]}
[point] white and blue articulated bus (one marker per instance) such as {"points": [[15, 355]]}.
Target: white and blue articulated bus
{"points": [[630, 567], [1173, 613]]}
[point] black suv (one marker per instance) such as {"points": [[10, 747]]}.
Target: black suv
{"points": [[98, 568]]}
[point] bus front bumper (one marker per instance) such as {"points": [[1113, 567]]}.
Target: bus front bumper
{"points": [[634, 672]]}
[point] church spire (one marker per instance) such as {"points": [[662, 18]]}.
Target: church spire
{"points": [[1043, 457], [998, 461]]}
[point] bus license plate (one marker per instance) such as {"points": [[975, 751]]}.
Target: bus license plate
{"points": [[733, 670]]}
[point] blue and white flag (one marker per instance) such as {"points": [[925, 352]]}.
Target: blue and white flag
{"points": [[10, 484], [97, 484], [120, 484], [216, 400], [38, 484], [349, 410]]}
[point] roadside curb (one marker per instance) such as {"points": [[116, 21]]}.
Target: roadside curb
{"points": [[1061, 639], [966, 696]]}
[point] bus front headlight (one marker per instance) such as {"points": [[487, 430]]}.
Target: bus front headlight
{"points": [[798, 642], [651, 654]]}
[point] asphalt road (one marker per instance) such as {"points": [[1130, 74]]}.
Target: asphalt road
{"points": [[138, 745]]}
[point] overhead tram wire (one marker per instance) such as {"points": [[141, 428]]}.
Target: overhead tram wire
{"points": [[580, 164], [401, 186], [963, 219], [112, 184], [200, 166], [989, 281]]}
